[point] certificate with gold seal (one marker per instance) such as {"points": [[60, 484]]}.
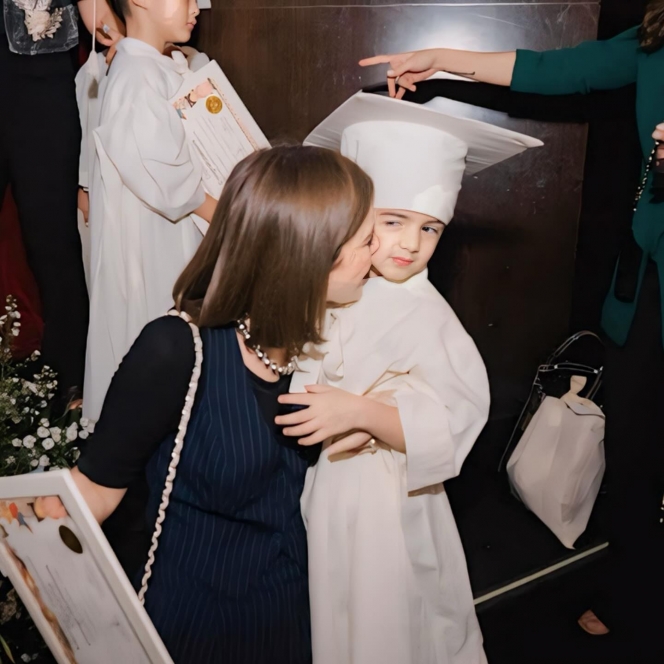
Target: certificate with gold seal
{"points": [[68, 577], [219, 127]]}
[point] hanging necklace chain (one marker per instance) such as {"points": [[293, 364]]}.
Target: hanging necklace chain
{"points": [[646, 174], [279, 370]]}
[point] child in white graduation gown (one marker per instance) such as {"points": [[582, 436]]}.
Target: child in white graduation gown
{"points": [[144, 187], [388, 577]]}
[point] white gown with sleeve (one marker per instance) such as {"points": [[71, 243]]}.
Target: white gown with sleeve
{"points": [[144, 185], [388, 576]]}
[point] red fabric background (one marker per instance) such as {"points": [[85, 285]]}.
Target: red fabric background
{"points": [[16, 279]]}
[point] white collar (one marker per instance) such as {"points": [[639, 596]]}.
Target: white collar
{"points": [[135, 47]]}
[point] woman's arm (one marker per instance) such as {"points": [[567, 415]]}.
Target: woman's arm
{"points": [[411, 68], [143, 405], [593, 65], [101, 500]]}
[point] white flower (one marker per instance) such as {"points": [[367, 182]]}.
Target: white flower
{"points": [[10, 460], [16, 332], [56, 434], [84, 422], [44, 460], [48, 444], [43, 432], [44, 422], [43, 404], [17, 314], [83, 435], [34, 463], [72, 432], [17, 442], [31, 386], [29, 442]]}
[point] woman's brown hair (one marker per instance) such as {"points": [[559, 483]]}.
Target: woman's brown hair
{"points": [[280, 223], [651, 34]]}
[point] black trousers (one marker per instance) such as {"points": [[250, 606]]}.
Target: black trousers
{"points": [[40, 138], [634, 404]]}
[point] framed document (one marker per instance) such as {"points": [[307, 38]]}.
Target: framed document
{"points": [[220, 129], [69, 578]]}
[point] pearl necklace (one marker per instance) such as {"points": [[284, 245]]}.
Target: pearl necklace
{"points": [[261, 354]]}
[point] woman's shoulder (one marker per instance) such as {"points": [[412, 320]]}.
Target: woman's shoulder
{"points": [[166, 339]]}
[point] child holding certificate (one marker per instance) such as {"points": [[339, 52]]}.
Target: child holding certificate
{"points": [[387, 574], [146, 183]]}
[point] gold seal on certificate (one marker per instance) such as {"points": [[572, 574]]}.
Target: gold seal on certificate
{"points": [[214, 104]]}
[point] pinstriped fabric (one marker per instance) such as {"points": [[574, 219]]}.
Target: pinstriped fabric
{"points": [[230, 578]]}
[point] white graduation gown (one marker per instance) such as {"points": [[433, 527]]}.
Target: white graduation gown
{"points": [[388, 577], [90, 84], [145, 184]]}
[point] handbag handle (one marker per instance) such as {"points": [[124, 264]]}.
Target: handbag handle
{"points": [[570, 341], [177, 450]]}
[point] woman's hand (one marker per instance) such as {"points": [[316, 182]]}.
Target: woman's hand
{"points": [[406, 69], [50, 507], [110, 37], [356, 440], [330, 412]]}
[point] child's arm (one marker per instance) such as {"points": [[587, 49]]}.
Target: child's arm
{"points": [[206, 210], [331, 412]]}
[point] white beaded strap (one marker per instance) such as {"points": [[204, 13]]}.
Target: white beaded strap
{"points": [[177, 449]]}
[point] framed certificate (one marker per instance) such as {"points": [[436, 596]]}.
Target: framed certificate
{"points": [[69, 578]]}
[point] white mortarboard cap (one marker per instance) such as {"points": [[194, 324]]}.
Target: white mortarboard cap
{"points": [[415, 154]]}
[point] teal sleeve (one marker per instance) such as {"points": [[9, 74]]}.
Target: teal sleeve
{"points": [[593, 65]]}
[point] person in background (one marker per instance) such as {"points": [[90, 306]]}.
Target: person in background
{"points": [[146, 184], [632, 315], [39, 148]]}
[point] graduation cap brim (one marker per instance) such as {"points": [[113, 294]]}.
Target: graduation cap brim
{"points": [[487, 144]]}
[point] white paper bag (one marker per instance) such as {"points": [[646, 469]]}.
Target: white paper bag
{"points": [[558, 465]]}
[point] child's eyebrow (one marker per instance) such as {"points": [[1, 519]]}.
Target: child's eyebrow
{"points": [[398, 215]]}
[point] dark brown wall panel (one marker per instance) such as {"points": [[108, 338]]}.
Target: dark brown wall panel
{"points": [[506, 264]]}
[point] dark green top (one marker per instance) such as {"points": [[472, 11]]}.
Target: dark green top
{"points": [[605, 65]]}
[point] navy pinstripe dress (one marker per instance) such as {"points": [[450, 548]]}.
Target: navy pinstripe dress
{"points": [[229, 583]]}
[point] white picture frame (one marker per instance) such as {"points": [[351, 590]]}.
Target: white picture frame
{"points": [[69, 578]]}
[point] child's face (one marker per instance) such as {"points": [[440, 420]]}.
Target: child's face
{"points": [[407, 241], [174, 18], [352, 266]]}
